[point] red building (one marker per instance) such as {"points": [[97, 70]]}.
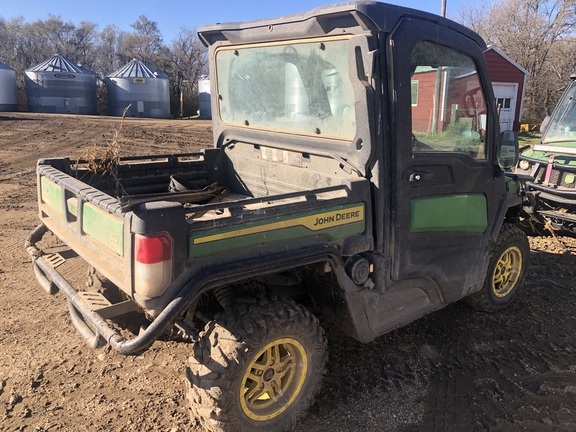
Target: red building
{"points": [[456, 93], [509, 83]]}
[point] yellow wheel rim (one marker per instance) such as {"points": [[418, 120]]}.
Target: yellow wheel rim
{"points": [[507, 272], [273, 379]]}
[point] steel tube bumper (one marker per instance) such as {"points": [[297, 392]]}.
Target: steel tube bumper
{"points": [[193, 282], [91, 326]]}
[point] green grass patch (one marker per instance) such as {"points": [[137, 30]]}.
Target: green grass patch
{"points": [[528, 138]]}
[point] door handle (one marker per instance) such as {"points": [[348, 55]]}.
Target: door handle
{"points": [[416, 176]]}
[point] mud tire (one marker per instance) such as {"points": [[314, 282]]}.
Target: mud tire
{"points": [[509, 257], [252, 332]]}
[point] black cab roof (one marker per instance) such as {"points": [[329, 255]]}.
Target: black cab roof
{"points": [[352, 17]]}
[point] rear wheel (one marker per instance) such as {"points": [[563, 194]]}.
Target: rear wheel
{"points": [[256, 368], [506, 270]]}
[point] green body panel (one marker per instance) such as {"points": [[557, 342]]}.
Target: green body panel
{"points": [[332, 224], [545, 157], [103, 227], [52, 195], [455, 213]]}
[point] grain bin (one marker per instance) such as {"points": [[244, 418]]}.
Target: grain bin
{"points": [[204, 97], [140, 85], [8, 95], [60, 86]]}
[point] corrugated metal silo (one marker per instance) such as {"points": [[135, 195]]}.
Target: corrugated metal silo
{"points": [[140, 85], [8, 95], [60, 86], [204, 97]]}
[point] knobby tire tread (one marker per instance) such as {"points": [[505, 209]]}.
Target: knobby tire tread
{"points": [[227, 344], [483, 300]]}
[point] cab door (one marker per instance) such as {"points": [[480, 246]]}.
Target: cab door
{"points": [[446, 189]]}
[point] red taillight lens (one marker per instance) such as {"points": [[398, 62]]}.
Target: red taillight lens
{"points": [[153, 249], [153, 264]]}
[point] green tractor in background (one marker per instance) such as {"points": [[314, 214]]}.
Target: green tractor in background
{"points": [[552, 164]]}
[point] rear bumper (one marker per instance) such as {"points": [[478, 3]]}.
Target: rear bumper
{"points": [[92, 326], [198, 277]]}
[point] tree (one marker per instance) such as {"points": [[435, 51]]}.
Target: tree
{"points": [[71, 41], [8, 37], [189, 61], [144, 44], [106, 50], [533, 33]]}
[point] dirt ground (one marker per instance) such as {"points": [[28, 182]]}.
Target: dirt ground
{"points": [[454, 370]]}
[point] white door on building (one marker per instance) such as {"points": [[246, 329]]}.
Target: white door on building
{"points": [[506, 95]]}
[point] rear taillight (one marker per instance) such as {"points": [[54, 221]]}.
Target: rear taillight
{"points": [[152, 264]]}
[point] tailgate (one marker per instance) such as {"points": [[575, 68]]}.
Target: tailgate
{"points": [[89, 221]]}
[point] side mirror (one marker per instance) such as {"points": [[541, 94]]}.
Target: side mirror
{"points": [[544, 124], [508, 153]]}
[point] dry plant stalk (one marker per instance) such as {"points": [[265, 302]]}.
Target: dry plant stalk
{"points": [[104, 163], [548, 226]]}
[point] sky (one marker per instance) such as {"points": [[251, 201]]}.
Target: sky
{"points": [[172, 15]]}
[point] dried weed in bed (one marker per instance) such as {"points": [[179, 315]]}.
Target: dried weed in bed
{"points": [[104, 162]]}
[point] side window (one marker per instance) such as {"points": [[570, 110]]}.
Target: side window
{"points": [[448, 107], [503, 103]]}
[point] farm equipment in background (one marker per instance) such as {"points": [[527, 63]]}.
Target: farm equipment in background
{"points": [[552, 164]]}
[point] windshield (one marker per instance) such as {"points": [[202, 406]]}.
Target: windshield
{"points": [[562, 127], [288, 87]]}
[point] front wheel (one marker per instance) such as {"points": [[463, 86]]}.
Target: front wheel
{"points": [[506, 271], [257, 367]]}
